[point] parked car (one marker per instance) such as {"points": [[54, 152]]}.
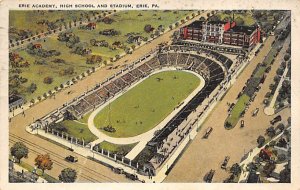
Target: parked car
{"points": [[275, 120], [71, 158], [255, 112], [242, 123], [131, 176], [225, 162], [207, 133], [118, 170], [209, 176]]}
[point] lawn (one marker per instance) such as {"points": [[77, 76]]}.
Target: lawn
{"points": [[124, 21], [116, 148], [27, 20], [129, 22], [146, 105], [79, 130], [247, 17], [238, 109], [36, 73]]}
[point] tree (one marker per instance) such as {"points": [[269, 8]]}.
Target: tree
{"points": [[269, 168], [19, 150], [214, 18], [289, 120], [32, 88], [148, 28], [235, 169], [287, 57], [202, 18], [281, 157], [271, 132], [48, 80], [280, 126], [239, 21], [251, 166], [68, 175], [43, 162], [285, 176], [260, 141]]}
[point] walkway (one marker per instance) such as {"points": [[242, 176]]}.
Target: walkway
{"points": [[270, 110]]}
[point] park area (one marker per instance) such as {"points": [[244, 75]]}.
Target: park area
{"points": [[48, 63], [147, 104]]}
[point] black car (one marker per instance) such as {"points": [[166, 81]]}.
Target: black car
{"points": [[118, 170], [225, 162], [71, 158], [242, 123], [275, 120], [209, 176]]}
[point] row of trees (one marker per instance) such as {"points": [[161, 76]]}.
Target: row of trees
{"points": [[43, 161], [41, 52]]}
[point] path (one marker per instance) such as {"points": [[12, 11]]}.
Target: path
{"points": [[270, 110]]}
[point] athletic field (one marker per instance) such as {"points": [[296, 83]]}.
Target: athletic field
{"points": [[147, 104]]}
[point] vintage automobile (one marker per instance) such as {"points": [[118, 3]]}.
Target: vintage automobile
{"points": [[207, 133], [225, 162], [255, 112], [275, 120], [242, 123], [209, 176], [71, 158]]}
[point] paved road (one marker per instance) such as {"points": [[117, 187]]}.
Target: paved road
{"points": [[87, 168], [203, 155]]}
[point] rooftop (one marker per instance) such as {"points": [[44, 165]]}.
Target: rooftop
{"points": [[198, 23], [243, 29]]}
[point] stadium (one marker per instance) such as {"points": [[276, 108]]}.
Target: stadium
{"points": [[150, 108]]}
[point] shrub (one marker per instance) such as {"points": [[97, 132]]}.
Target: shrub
{"points": [[48, 80], [260, 141]]}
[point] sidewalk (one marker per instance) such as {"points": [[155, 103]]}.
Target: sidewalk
{"points": [[270, 110]]}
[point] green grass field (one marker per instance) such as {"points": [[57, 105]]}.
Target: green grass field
{"points": [[27, 20], [125, 22], [143, 107], [238, 109], [79, 130], [115, 148]]}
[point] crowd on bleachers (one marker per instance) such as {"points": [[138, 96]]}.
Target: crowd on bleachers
{"points": [[209, 69]]}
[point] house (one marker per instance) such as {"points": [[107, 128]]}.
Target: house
{"points": [[15, 101], [37, 46], [117, 44], [265, 154], [91, 26], [102, 43], [86, 51], [137, 39]]}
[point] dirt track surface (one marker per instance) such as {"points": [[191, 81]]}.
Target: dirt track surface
{"points": [[205, 154]]}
